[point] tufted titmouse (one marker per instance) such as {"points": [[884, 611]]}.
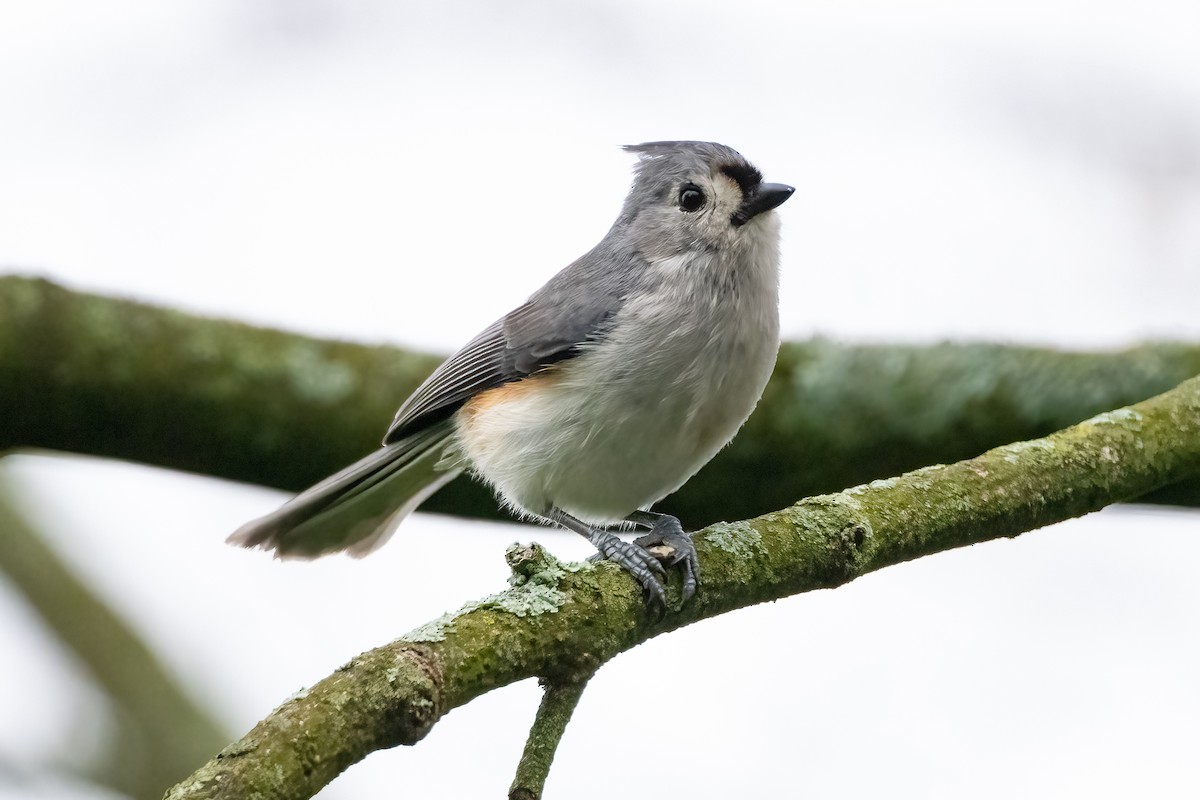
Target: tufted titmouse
{"points": [[609, 388]]}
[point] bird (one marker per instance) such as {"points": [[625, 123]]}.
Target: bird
{"points": [[610, 387]]}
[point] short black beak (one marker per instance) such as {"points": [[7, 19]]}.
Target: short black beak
{"points": [[768, 196]]}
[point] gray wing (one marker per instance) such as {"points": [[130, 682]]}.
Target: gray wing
{"points": [[547, 329]]}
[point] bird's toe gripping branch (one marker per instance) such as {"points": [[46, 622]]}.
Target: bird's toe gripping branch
{"points": [[671, 544]]}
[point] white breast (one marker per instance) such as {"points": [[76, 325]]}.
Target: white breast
{"points": [[629, 420]]}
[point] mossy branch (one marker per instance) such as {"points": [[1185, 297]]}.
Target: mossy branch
{"points": [[108, 377], [553, 714], [559, 622]]}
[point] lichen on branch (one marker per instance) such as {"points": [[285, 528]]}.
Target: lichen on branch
{"points": [[394, 694]]}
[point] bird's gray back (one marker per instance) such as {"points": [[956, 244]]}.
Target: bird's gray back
{"points": [[576, 306], [573, 308]]}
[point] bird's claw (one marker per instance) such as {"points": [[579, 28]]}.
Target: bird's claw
{"points": [[670, 543], [643, 565], [644, 558]]}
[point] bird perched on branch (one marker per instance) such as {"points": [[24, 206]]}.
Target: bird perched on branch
{"points": [[603, 393]]}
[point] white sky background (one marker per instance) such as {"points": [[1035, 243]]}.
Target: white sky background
{"points": [[1020, 171]]}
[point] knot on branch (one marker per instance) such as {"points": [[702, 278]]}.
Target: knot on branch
{"points": [[412, 687], [839, 528], [535, 583], [528, 560], [855, 535]]}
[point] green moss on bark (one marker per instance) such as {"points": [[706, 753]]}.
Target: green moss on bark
{"points": [[820, 542]]}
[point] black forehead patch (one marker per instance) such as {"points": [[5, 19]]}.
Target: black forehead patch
{"points": [[745, 176]]}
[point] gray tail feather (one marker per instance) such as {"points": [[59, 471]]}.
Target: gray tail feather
{"points": [[357, 509]]}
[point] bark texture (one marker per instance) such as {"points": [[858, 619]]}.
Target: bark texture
{"points": [[561, 621]]}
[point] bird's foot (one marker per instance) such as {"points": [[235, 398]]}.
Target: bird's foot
{"points": [[671, 544], [644, 566], [647, 558]]}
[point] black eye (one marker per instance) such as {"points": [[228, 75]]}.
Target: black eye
{"points": [[691, 198]]}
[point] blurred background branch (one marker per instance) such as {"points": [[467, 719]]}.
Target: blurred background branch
{"points": [[91, 374], [158, 733]]}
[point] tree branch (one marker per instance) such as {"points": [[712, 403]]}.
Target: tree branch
{"points": [[164, 732], [121, 379], [560, 621], [557, 706]]}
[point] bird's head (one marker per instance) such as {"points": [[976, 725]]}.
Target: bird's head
{"points": [[690, 196]]}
